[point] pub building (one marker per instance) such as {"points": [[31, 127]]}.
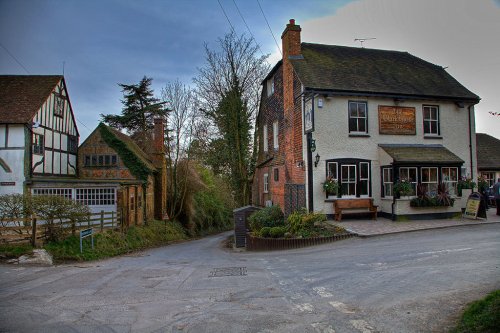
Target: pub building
{"points": [[367, 119]]}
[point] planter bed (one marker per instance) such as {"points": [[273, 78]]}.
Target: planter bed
{"points": [[270, 244]]}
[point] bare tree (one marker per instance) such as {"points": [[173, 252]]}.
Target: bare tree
{"points": [[228, 86]]}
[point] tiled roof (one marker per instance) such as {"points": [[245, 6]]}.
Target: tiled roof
{"points": [[22, 95], [488, 152], [371, 71], [417, 153]]}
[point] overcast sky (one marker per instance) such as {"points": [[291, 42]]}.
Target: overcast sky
{"points": [[106, 42]]}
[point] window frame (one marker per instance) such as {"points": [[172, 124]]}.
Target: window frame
{"points": [[349, 181], [427, 190], [72, 144], [454, 183], [38, 144], [387, 183], [276, 175], [349, 117], [265, 138], [414, 183], [266, 183], [270, 86], [275, 135], [59, 105], [431, 120]]}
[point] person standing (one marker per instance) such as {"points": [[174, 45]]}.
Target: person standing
{"points": [[496, 192]]}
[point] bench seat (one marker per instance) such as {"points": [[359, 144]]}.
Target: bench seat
{"points": [[342, 205]]}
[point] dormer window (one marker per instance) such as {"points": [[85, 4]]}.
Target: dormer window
{"points": [[270, 86]]}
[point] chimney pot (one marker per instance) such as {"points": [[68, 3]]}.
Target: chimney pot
{"points": [[292, 21]]}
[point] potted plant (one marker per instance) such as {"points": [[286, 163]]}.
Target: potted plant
{"points": [[465, 183], [331, 186], [403, 188]]}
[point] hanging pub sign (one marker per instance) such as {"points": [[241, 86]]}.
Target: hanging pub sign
{"points": [[309, 118], [399, 120]]}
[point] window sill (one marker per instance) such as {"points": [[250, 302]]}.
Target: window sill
{"points": [[433, 137], [360, 135]]}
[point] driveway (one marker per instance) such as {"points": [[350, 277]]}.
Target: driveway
{"points": [[411, 282]]}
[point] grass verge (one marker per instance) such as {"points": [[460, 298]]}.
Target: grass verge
{"points": [[112, 243], [8, 251], [481, 316]]}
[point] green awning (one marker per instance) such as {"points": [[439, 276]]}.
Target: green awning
{"points": [[420, 154]]}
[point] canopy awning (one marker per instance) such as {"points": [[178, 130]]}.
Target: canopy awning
{"points": [[420, 154]]}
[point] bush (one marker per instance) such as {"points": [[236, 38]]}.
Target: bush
{"points": [[265, 232], [302, 220], [267, 217], [277, 232]]}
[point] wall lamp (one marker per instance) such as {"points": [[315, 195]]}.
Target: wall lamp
{"points": [[316, 160]]}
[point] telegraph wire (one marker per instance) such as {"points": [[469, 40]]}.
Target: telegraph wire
{"points": [[227, 18], [18, 62], [269, 27], [248, 28]]}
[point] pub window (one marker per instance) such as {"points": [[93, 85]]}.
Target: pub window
{"points": [[348, 180], [449, 177], [431, 120], [113, 160], [275, 135], [107, 160], [72, 144], [387, 182], [87, 160], [264, 138], [266, 183], [276, 174], [96, 196], [364, 179], [409, 174], [358, 117], [38, 144], [94, 160], [332, 170], [489, 177], [100, 159], [429, 178]]}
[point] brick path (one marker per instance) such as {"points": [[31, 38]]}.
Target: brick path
{"points": [[383, 226]]}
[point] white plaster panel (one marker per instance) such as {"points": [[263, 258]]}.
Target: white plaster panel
{"points": [[48, 162], [64, 163], [57, 165], [14, 159], [36, 159], [16, 136], [2, 135], [72, 161], [64, 142], [57, 139]]}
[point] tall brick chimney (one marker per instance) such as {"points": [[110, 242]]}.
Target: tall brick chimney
{"points": [[160, 162], [291, 47]]}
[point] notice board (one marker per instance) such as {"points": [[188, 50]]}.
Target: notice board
{"points": [[475, 208]]}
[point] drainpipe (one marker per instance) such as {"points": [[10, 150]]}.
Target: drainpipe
{"points": [[393, 215], [469, 108]]}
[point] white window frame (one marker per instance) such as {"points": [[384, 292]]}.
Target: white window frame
{"points": [[348, 180], [38, 144], [451, 184], [367, 179], [266, 183], [413, 183], [101, 196], [431, 120], [265, 139], [489, 176], [387, 182], [357, 117], [430, 182], [270, 86], [60, 192], [275, 135]]}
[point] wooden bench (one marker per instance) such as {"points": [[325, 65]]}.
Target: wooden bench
{"points": [[345, 204]]}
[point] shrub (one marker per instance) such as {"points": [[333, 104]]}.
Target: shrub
{"points": [[277, 232], [302, 220], [267, 217], [265, 232]]}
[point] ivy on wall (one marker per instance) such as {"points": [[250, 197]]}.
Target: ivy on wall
{"points": [[129, 158]]}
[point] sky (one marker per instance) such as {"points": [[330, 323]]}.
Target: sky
{"points": [[100, 43]]}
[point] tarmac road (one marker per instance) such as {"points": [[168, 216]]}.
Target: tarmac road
{"points": [[411, 282]]}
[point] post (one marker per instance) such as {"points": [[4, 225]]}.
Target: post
{"points": [[33, 230], [102, 220]]}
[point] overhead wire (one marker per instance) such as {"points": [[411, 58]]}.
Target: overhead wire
{"points": [[13, 57], [262, 11], [227, 18]]}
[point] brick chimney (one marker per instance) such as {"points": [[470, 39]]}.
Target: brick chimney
{"points": [[158, 136], [292, 111]]}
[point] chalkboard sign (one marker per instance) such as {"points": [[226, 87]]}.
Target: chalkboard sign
{"points": [[475, 207]]}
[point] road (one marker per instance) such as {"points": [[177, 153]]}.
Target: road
{"points": [[411, 282]]}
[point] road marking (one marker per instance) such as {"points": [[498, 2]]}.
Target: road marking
{"points": [[362, 326], [322, 328], [304, 307], [321, 291], [445, 251], [341, 307], [308, 279]]}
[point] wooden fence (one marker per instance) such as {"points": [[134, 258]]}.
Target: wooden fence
{"points": [[34, 231]]}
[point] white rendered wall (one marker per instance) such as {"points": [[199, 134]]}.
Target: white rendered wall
{"points": [[333, 140], [12, 152]]}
